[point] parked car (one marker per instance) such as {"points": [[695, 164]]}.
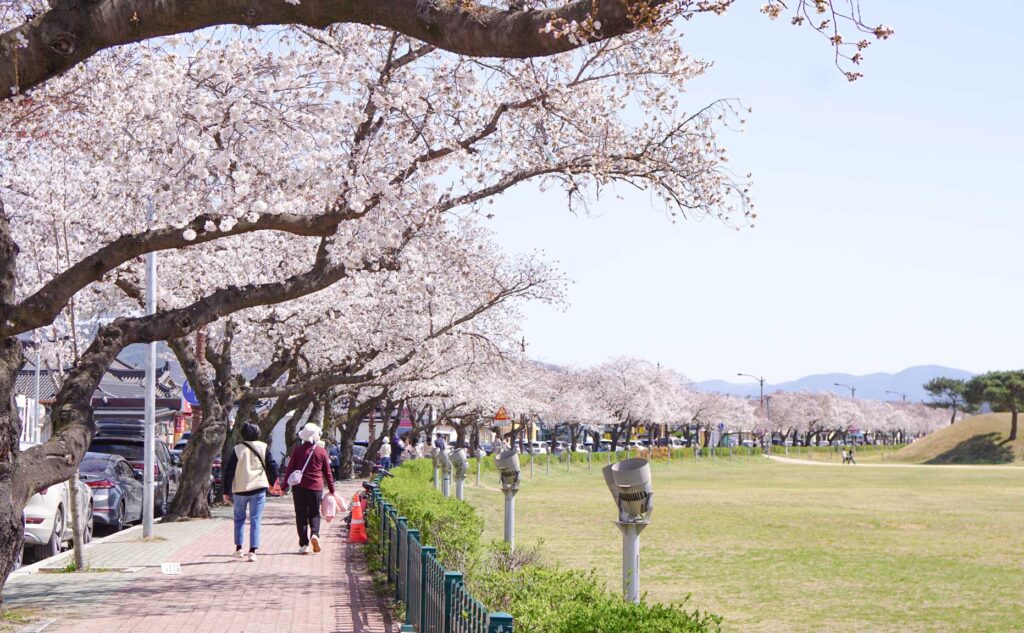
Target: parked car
{"points": [[216, 476], [179, 446], [536, 448], [48, 518], [165, 473], [358, 455], [116, 489], [637, 445]]}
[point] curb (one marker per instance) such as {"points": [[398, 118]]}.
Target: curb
{"points": [[36, 567], [37, 627]]}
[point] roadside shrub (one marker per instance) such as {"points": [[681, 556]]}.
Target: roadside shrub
{"points": [[554, 600]]}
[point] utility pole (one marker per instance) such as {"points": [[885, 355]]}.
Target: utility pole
{"points": [[149, 463]]}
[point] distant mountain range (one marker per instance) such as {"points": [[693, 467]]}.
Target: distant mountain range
{"points": [[871, 386]]}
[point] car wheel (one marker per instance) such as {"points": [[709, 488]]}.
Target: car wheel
{"points": [[162, 508], [118, 523], [55, 544], [87, 528]]}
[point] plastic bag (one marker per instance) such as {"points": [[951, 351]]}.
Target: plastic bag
{"points": [[332, 506]]}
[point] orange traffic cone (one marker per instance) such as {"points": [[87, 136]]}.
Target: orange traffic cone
{"points": [[357, 532]]}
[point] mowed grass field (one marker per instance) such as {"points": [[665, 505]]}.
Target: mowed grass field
{"points": [[780, 547]]}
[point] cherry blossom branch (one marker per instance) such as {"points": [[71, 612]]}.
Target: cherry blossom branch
{"points": [[73, 30], [40, 308]]}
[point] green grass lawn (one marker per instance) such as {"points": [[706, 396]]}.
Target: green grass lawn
{"points": [[777, 547]]}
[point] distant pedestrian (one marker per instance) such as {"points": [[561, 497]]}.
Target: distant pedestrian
{"points": [[845, 457], [397, 448], [334, 452], [385, 454], [439, 443], [249, 473], [308, 472], [850, 456]]}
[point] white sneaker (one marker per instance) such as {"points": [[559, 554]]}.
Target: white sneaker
{"points": [[251, 557], [315, 540], [304, 549], [239, 553]]}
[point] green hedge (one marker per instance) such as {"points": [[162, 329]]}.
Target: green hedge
{"points": [[450, 525], [541, 598]]}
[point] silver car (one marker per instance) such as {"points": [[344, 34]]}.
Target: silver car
{"points": [[116, 489]]}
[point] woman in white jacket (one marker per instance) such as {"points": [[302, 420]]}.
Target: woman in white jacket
{"points": [[248, 474]]}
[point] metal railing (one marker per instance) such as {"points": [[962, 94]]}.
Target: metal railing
{"points": [[436, 600]]}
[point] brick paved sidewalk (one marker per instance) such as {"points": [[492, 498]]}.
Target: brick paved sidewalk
{"points": [[282, 592]]}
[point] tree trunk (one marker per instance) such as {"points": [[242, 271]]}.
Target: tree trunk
{"points": [[11, 504], [207, 441], [76, 522], [1013, 424]]}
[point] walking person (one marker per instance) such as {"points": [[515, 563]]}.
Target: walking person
{"points": [[385, 454], [397, 447], [309, 470], [248, 474], [850, 456]]}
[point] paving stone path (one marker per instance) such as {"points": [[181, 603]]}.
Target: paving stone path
{"points": [[282, 592]]}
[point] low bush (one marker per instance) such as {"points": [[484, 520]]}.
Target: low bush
{"points": [[541, 598]]}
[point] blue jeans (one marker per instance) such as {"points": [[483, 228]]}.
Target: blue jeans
{"points": [[254, 504], [385, 463]]}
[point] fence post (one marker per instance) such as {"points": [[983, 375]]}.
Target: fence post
{"points": [[385, 546], [400, 523], [499, 622], [451, 578], [405, 567], [425, 552]]}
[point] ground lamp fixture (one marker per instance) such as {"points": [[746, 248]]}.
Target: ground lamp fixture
{"points": [[460, 462], [508, 468], [446, 473], [436, 457], [630, 484]]}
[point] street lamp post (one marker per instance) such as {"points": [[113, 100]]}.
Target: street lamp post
{"points": [[149, 441], [760, 381], [853, 390], [902, 395]]}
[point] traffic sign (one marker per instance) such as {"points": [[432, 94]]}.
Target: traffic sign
{"points": [[501, 415], [189, 394]]}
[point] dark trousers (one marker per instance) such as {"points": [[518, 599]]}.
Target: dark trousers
{"points": [[307, 513]]}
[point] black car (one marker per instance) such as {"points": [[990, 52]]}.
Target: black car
{"points": [[116, 489], [125, 438]]}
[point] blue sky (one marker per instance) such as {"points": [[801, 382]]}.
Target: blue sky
{"points": [[890, 229]]}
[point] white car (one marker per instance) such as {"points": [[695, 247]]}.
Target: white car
{"points": [[637, 445], [537, 448], [48, 519]]}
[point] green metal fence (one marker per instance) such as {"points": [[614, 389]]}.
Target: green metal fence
{"points": [[436, 600]]}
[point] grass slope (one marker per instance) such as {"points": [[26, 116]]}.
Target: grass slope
{"points": [[977, 440], [797, 549]]}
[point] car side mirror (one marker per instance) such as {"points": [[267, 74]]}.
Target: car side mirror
{"points": [[175, 460]]}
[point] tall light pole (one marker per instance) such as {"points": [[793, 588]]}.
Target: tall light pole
{"points": [[853, 390], [149, 461], [902, 395], [760, 381]]}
